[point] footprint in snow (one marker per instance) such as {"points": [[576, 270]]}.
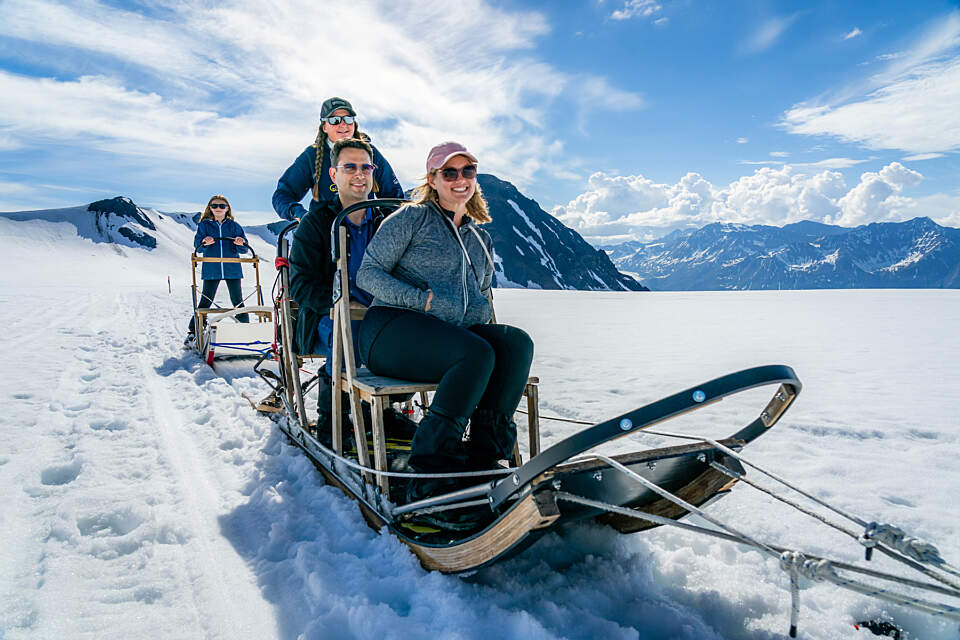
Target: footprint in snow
{"points": [[172, 365], [61, 474], [108, 425], [228, 445], [103, 525]]}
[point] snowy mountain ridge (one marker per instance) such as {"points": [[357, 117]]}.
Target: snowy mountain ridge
{"points": [[531, 248], [917, 253]]}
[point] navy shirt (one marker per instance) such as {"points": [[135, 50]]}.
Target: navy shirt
{"points": [[359, 237]]}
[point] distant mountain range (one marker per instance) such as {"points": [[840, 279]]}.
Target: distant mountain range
{"points": [[917, 253]]}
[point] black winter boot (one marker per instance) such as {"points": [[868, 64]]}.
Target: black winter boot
{"points": [[397, 426], [493, 437], [437, 448]]}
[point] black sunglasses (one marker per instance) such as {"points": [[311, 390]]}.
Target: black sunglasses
{"points": [[351, 167], [217, 205], [450, 174], [337, 119]]}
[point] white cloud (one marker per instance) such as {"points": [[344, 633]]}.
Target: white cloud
{"points": [[742, 140], [637, 8], [831, 163], [247, 79], [943, 208], [876, 198], [780, 154], [923, 156], [768, 33], [910, 106], [853, 33], [616, 208]]}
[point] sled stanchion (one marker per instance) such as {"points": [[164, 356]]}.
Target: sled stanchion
{"points": [[533, 418]]}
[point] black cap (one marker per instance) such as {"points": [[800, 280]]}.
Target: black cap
{"points": [[331, 105]]}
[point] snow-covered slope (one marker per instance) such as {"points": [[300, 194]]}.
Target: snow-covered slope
{"points": [[114, 241], [141, 496]]}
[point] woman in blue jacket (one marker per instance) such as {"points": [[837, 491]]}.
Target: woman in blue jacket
{"points": [[311, 169], [219, 236]]}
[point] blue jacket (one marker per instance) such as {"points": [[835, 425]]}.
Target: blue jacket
{"points": [[297, 180], [228, 229]]}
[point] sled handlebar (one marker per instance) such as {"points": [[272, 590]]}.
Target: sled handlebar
{"points": [[216, 238], [379, 203]]}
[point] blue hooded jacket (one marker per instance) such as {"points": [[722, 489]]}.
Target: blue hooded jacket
{"points": [[228, 229], [297, 180]]}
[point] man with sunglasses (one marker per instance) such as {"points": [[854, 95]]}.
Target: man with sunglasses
{"points": [[352, 172], [311, 169]]}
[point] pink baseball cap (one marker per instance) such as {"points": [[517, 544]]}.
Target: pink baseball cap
{"points": [[439, 155]]}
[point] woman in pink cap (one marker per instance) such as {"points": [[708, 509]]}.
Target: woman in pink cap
{"points": [[429, 269]]}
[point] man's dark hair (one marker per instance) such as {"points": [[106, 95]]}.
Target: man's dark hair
{"points": [[349, 143]]}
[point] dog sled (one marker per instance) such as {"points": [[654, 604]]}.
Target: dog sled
{"points": [[219, 332], [570, 480]]}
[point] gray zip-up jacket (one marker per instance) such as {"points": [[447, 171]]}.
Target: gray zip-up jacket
{"points": [[414, 250]]}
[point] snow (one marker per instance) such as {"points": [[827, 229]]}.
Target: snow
{"points": [[523, 215], [142, 497]]}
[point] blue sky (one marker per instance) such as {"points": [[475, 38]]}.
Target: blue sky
{"points": [[626, 119]]}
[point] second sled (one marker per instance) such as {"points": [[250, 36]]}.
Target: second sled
{"points": [[219, 333]]}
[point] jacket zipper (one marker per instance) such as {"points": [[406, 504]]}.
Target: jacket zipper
{"points": [[223, 274]]}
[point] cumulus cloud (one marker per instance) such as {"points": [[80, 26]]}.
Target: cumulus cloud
{"points": [[910, 106], [853, 33], [248, 79], [742, 140], [618, 208], [876, 198]]}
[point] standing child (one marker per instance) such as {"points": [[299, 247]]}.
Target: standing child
{"points": [[219, 236]]}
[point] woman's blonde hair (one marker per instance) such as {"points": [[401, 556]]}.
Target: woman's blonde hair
{"points": [[208, 213], [476, 206]]}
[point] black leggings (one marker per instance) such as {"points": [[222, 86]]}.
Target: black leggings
{"points": [[210, 290], [480, 367]]}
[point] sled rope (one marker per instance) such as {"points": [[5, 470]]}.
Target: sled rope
{"points": [[795, 563], [570, 420], [661, 520], [813, 514], [903, 548]]}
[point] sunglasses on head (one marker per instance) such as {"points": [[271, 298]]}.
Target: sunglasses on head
{"points": [[218, 205], [338, 119], [351, 167], [450, 174]]}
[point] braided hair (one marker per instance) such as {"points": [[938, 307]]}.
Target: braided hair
{"points": [[321, 149]]}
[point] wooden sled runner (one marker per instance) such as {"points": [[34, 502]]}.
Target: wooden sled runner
{"points": [[532, 497]]}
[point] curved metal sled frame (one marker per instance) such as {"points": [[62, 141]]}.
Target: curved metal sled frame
{"points": [[524, 504]]}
